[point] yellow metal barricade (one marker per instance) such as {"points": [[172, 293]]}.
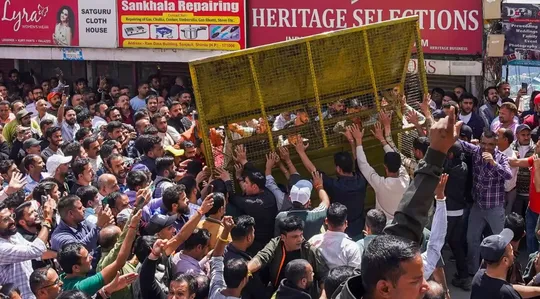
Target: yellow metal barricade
{"points": [[317, 85]]}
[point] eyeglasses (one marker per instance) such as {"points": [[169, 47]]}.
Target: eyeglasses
{"points": [[56, 283]]}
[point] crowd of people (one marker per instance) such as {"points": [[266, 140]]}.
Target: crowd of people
{"points": [[107, 195]]}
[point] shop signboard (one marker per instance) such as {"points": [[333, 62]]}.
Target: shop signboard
{"points": [[58, 23], [521, 24], [182, 24], [447, 27]]}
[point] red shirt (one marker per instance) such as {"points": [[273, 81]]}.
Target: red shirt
{"points": [[534, 197], [531, 121]]}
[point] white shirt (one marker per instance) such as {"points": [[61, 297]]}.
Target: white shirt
{"points": [[388, 191], [465, 118], [510, 184], [96, 163], [166, 139], [97, 122], [338, 249], [436, 240]]}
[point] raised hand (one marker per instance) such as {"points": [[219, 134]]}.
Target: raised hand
{"points": [[157, 248], [238, 169], [357, 134], [271, 160], [48, 208], [104, 217], [412, 118], [143, 197], [228, 223], [16, 183], [241, 154], [299, 145], [424, 105], [223, 174], [385, 119], [445, 132], [207, 203], [284, 153], [136, 219], [378, 131], [317, 178], [439, 191]]}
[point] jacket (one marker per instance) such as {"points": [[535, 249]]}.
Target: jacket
{"points": [[262, 207], [454, 191], [273, 255], [477, 125], [287, 290], [524, 174], [254, 288], [411, 216]]}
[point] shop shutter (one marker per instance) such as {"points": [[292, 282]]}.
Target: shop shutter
{"points": [[445, 82]]}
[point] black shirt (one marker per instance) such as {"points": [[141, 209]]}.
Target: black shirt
{"points": [[349, 191], [289, 256], [484, 286]]}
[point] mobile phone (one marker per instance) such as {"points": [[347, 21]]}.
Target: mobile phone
{"points": [[524, 86], [65, 90]]}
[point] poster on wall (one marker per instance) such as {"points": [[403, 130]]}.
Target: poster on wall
{"points": [[521, 23], [190, 24], [58, 23], [447, 27]]}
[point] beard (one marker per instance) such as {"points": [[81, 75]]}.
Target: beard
{"points": [[183, 210], [57, 104], [71, 122], [9, 231]]}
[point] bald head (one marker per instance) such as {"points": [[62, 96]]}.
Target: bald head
{"points": [[107, 184], [108, 236]]}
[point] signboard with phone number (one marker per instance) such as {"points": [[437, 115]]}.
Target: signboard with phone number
{"points": [[190, 24]]}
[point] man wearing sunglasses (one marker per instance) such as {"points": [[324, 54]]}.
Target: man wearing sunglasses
{"points": [[16, 254]]}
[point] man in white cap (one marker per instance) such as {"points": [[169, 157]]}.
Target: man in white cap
{"points": [[57, 167], [300, 195]]}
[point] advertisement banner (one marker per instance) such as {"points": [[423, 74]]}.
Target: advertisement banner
{"points": [[58, 23], [447, 27], [189, 24], [521, 24]]}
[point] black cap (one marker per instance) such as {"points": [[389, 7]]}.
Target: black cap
{"points": [[466, 131], [28, 143], [522, 127], [159, 222], [493, 247], [438, 114]]}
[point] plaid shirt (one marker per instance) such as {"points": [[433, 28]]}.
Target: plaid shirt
{"points": [[16, 255], [488, 181]]}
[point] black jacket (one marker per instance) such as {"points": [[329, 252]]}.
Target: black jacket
{"points": [[477, 125], [254, 288], [4, 151], [411, 216], [263, 208], [287, 290], [457, 177]]}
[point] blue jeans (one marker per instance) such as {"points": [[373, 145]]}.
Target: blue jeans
{"points": [[530, 226]]}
